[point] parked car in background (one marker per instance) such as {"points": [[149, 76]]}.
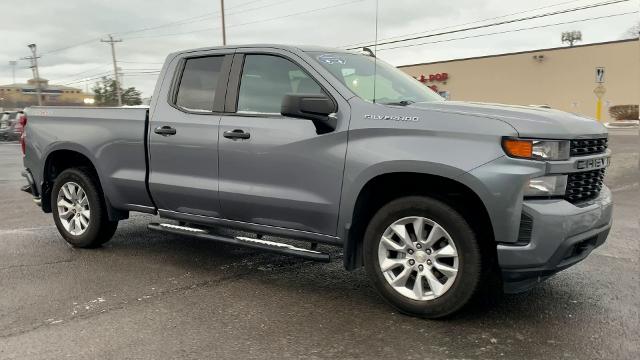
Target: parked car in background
{"points": [[10, 125]]}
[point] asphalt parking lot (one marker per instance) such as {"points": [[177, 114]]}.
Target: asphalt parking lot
{"points": [[149, 295]]}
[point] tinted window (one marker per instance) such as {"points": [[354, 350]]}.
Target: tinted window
{"points": [[267, 79], [198, 83]]}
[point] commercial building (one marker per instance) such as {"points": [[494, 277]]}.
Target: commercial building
{"points": [[563, 78], [22, 95]]}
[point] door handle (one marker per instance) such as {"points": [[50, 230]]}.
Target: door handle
{"points": [[165, 130], [236, 134]]}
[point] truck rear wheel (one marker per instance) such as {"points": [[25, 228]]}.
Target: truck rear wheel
{"points": [[422, 256], [79, 209]]}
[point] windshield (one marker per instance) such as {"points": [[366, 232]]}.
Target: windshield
{"points": [[392, 86]]}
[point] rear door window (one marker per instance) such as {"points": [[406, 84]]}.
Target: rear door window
{"points": [[198, 83]]}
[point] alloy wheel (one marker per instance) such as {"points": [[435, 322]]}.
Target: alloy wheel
{"points": [[418, 258], [74, 211]]}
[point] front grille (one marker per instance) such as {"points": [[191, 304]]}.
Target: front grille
{"points": [[583, 186], [582, 147]]}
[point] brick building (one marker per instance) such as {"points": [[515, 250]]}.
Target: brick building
{"points": [[19, 96]]}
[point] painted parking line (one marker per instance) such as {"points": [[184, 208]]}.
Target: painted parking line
{"points": [[23, 230]]}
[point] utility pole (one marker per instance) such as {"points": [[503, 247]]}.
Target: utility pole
{"points": [[13, 64], [112, 42], [224, 30], [34, 68]]}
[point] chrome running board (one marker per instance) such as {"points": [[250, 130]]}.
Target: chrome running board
{"points": [[259, 244]]}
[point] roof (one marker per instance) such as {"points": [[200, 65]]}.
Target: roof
{"points": [[559, 48], [293, 48]]}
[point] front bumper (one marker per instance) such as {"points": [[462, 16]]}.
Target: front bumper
{"points": [[562, 235]]}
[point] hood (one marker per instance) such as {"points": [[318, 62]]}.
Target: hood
{"points": [[529, 121]]}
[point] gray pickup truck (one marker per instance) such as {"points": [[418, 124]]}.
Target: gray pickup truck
{"points": [[436, 199]]}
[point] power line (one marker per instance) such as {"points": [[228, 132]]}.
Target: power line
{"points": [[510, 31], [140, 62], [88, 77], [100, 76], [145, 69], [80, 73], [205, 16], [149, 74], [70, 46], [143, 29], [173, 23], [253, 22], [501, 22], [464, 24]]}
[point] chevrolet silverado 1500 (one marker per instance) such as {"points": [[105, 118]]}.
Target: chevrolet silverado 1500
{"points": [[432, 197]]}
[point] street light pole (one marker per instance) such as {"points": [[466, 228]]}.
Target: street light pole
{"points": [[36, 73], [112, 42], [13, 64], [224, 30]]}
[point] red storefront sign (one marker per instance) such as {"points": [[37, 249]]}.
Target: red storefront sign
{"points": [[434, 77]]}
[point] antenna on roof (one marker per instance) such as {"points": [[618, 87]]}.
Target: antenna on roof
{"points": [[375, 59]]}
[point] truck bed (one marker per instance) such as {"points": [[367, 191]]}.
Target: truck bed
{"points": [[112, 138]]}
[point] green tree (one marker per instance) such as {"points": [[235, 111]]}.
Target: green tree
{"points": [[106, 95]]}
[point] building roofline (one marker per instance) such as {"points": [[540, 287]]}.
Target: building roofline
{"points": [[521, 52]]}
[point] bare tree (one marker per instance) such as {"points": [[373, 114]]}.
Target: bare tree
{"points": [[571, 37], [633, 32]]}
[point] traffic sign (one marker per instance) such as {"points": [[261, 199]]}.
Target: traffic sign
{"points": [[600, 75]]}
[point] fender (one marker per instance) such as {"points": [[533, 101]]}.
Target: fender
{"points": [[114, 214], [353, 187]]}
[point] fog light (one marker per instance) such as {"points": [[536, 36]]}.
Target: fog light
{"points": [[554, 185]]}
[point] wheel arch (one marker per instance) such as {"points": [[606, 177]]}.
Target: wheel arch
{"points": [[382, 188], [61, 158]]}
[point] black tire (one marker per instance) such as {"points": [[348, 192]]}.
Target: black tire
{"points": [[468, 277], [100, 229]]}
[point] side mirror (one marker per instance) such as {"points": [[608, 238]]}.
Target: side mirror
{"points": [[318, 108]]}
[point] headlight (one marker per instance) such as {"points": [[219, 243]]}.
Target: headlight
{"points": [[536, 149], [554, 185]]}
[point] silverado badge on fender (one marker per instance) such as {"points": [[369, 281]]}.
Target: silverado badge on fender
{"points": [[392, 118]]}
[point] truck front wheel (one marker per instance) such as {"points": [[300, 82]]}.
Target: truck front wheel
{"points": [[79, 209], [422, 256]]}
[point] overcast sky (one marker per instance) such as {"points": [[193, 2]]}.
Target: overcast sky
{"points": [[55, 25]]}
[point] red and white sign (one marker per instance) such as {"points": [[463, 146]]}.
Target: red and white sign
{"points": [[438, 77]]}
